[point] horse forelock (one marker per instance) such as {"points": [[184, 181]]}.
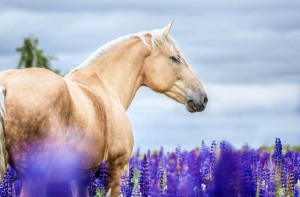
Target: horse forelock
{"points": [[158, 39]]}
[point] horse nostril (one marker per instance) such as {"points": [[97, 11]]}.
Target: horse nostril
{"points": [[205, 100]]}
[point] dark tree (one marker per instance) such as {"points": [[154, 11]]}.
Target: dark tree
{"points": [[31, 56]]}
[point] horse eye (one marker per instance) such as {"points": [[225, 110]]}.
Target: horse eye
{"points": [[176, 58]]}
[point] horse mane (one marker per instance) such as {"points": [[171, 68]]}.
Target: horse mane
{"points": [[158, 39]]}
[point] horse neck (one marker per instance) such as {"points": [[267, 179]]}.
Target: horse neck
{"points": [[118, 69]]}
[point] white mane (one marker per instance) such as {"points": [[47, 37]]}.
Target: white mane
{"points": [[158, 39]]}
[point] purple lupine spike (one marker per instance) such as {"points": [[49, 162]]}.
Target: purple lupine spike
{"points": [[133, 162], [161, 152], [172, 176], [228, 172], [212, 155], [266, 178], [180, 162], [204, 164], [123, 184], [204, 152], [290, 174], [264, 158], [254, 167], [130, 183], [6, 185], [2, 189], [178, 151], [297, 169], [183, 178], [137, 156], [161, 177], [153, 165], [102, 180], [248, 185], [178, 157], [153, 172], [184, 159], [144, 179], [262, 189], [259, 171], [92, 184], [161, 157], [278, 164], [278, 152], [204, 192], [17, 188], [148, 153], [194, 173], [212, 161], [222, 146], [272, 183]]}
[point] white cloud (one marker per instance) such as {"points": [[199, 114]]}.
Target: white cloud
{"points": [[233, 99]]}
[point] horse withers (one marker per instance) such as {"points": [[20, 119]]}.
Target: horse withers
{"points": [[61, 128]]}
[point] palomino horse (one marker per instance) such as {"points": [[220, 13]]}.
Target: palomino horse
{"points": [[54, 127]]}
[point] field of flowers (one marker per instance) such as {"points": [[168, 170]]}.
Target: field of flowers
{"points": [[205, 171]]}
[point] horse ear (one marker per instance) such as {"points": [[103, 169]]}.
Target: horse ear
{"points": [[167, 28]]}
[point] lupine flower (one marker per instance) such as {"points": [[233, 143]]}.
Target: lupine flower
{"points": [[137, 160], [161, 152], [17, 187], [228, 173], [278, 153], [264, 158], [278, 163], [297, 169], [248, 182], [194, 173], [198, 173], [161, 177], [272, 187], [262, 189], [6, 185], [212, 156], [222, 146], [254, 167], [123, 185], [92, 184], [290, 175], [130, 184], [144, 179], [102, 179], [172, 176]]}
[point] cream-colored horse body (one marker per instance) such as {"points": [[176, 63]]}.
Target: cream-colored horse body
{"points": [[64, 127]]}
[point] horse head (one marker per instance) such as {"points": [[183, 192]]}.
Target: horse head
{"points": [[166, 71]]}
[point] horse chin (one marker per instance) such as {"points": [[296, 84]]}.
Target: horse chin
{"points": [[192, 107], [191, 110]]}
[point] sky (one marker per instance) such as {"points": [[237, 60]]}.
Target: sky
{"points": [[246, 53]]}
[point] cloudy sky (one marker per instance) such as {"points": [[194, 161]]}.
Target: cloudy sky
{"points": [[246, 53]]}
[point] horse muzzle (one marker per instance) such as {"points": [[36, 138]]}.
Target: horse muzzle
{"points": [[197, 104]]}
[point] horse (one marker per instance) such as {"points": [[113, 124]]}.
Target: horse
{"points": [[61, 128]]}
